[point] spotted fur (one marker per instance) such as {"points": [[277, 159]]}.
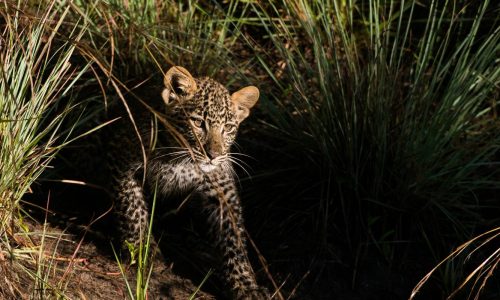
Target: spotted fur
{"points": [[186, 149]]}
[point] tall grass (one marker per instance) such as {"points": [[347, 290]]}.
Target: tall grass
{"points": [[476, 281], [384, 114], [141, 39], [36, 75]]}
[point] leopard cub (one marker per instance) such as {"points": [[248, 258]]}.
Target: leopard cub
{"points": [[184, 148]]}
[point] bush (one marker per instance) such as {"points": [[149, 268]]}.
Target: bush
{"points": [[383, 126]]}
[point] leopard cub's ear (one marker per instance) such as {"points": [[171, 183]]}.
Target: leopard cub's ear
{"points": [[243, 100], [179, 85]]}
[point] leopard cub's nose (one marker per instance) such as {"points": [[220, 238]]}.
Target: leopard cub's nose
{"points": [[212, 154]]}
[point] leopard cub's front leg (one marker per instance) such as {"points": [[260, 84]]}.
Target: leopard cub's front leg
{"points": [[131, 208], [222, 204]]}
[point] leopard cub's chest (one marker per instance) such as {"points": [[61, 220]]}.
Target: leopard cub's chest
{"points": [[176, 178]]}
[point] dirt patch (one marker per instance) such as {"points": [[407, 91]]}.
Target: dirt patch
{"points": [[49, 262]]}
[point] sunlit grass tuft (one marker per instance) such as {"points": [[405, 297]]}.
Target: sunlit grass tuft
{"points": [[476, 281], [36, 74], [131, 40]]}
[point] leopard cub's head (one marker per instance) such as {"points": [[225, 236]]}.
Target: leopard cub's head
{"points": [[206, 115]]}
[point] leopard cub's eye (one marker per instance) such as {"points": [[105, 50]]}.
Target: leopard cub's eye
{"points": [[197, 122], [229, 128]]}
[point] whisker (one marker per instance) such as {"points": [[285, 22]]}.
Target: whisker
{"points": [[242, 162], [177, 152], [236, 145], [229, 168], [172, 154], [183, 158], [234, 161], [234, 154], [169, 147]]}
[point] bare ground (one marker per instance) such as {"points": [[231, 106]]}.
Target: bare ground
{"points": [[50, 263]]}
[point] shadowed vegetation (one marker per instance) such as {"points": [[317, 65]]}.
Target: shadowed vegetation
{"points": [[375, 146]]}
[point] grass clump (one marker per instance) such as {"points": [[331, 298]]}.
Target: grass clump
{"points": [[384, 114], [131, 39], [34, 77], [36, 81]]}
